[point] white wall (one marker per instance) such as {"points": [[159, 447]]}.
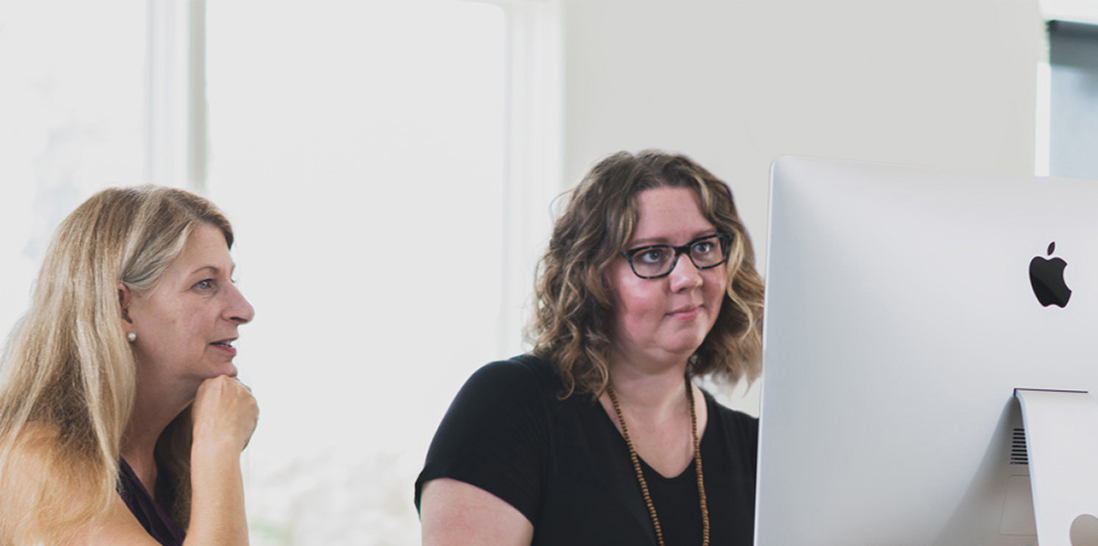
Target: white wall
{"points": [[734, 84]]}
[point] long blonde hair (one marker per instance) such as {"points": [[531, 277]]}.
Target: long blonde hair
{"points": [[68, 369], [571, 324]]}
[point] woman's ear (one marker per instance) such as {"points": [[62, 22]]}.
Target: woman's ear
{"points": [[125, 296]]}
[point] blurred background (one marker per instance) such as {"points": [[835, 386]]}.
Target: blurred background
{"points": [[392, 168]]}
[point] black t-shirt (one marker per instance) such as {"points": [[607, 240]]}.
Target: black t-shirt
{"points": [[563, 464]]}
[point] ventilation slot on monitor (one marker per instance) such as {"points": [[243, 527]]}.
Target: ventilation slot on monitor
{"points": [[1018, 453]]}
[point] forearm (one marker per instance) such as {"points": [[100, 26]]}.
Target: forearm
{"points": [[217, 499]]}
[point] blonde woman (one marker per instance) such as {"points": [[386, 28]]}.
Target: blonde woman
{"points": [[121, 421]]}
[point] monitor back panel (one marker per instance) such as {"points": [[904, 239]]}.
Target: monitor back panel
{"points": [[899, 319]]}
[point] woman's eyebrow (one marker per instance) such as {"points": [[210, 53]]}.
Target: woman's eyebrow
{"points": [[213, 269], [647, 241]]}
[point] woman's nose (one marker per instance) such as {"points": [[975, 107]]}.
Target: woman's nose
{"points": [[239, 309], [685, 275]]}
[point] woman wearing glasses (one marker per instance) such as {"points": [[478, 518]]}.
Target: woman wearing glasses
{"points": [[120, 418], [600, 436]]}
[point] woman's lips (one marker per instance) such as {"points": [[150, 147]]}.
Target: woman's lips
{"points": [[685, 313], [225, 346]]}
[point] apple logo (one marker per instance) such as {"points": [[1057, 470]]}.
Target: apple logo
{"points": [[1047, 278]]}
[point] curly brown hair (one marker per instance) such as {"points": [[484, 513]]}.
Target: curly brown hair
{"points": [[571, 324]]}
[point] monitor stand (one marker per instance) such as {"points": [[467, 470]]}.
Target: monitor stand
{"points": [[1062, 444]]}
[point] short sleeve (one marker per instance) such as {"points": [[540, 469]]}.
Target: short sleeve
{"points": [[494, 436]]}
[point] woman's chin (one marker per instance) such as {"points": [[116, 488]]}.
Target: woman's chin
{"points": [[685, 346], [228, 369]]}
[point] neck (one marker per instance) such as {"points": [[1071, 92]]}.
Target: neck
{"points": [[154, 408], [649, 390]]}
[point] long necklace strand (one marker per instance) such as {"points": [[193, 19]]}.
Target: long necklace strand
{"points": [[640, 475]]}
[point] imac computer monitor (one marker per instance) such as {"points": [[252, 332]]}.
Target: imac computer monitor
{"points": [[909, 315]]}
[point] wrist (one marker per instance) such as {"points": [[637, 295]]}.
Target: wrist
{"points": [[209, 450]]}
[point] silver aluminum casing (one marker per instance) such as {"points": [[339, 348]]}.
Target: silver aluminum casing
{"points": [[899, 320]]}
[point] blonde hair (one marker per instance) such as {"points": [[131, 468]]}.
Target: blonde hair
{"points": [[68, 372], [571, 324]]}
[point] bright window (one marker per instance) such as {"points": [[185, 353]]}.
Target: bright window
{"points": [[72, 121], [1073, 99], [388, 167], [359, 148]]}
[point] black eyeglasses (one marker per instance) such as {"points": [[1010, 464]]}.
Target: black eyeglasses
{"points": [[655, 261]]}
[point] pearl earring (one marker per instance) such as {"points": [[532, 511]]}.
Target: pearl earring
{"points": [[132, 336]]}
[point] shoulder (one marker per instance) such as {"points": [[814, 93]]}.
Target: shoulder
{"points": [[735, 435], [513, 392], [522, 369], [494, 435], [736, 423], [518, 378], [33, 467], [116, 527], [26, 459], [507, 393], [56, 498], [36, 436]]}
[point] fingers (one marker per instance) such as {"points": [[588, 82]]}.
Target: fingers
{"points": [[256, 419], [224, 413]]}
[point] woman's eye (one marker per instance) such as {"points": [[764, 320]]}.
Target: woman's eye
{"points": [[205, 284], [703, 248], [652, 255]]}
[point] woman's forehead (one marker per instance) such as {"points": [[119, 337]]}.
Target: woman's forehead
{"points": [[669, 213]]}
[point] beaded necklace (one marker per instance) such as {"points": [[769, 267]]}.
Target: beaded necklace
{"points": [[640, 475]]}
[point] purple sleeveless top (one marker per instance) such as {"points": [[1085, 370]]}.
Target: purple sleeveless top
{"points": [[147, 511]]}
